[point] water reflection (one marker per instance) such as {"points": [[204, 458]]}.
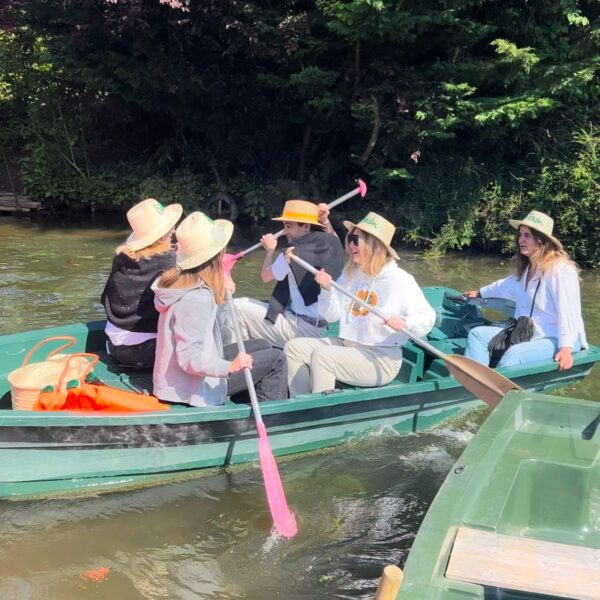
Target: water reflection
{"points": [[358, 505]]}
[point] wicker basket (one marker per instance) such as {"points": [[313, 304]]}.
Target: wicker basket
{"points": [[57, 370], [27, 382]]}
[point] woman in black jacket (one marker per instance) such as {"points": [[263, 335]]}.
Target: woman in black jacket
{"points": [[127, 298]]}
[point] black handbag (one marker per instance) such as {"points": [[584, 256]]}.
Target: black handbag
{"points": [[517, 332]]}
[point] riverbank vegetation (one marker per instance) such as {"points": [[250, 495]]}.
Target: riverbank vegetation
{"points": [[458, 113]]}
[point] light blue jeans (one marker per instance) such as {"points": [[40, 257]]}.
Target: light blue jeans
{"points": [[539, 349]]}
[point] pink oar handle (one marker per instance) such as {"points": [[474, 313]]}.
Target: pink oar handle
{"points": [[229, 260]]}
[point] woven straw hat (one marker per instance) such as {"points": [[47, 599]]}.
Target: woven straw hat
{"points": [[378, 227], [199, 239], [538, 221], [149, 221], [300, 211]]}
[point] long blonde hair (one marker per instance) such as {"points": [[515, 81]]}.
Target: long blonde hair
{"points": [[210, 273], [161, 246], [544, 258], [376, 256]]}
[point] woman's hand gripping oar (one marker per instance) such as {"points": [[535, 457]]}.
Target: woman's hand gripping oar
{"points": [[481, 381], [283, 517], [229, 260]]}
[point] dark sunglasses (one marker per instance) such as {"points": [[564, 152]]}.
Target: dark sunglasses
{"points": [[353, 238]]}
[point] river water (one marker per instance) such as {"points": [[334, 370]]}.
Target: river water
{"points": [[358, 505]]}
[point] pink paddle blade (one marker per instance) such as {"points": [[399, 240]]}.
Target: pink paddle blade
{"points": [[283, 517], [229, 261]]}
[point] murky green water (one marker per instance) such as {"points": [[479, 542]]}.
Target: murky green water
{"points": [[358, 505]]}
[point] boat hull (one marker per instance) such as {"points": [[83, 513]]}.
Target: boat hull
{"points": [[531, 475], [44, 453]]}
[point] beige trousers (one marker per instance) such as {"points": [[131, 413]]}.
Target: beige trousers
{"points": [[287, 326], [315, 364]]}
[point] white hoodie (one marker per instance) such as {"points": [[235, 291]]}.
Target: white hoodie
{"points": [[393, 292]]}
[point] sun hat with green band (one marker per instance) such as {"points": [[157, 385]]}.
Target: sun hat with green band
{"points": [[149, 221], [378, 227], [540, 222], [199, 239]]}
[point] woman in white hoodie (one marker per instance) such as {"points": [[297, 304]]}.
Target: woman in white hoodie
{"points": [[368, 351], [192, 366]]}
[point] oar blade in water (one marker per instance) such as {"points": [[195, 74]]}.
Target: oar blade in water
{"points": [[283, 517], [483, 382]]}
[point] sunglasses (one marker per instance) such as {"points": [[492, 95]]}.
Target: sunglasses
{"points": [[353, 238]]}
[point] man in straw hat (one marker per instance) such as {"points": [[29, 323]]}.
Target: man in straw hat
{"points": [[192, 365], [545, 289], [292, 310], [368, 351], [127, 297]]}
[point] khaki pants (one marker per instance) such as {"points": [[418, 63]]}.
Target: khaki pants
{"points": [[315, 364], [254, 326]]}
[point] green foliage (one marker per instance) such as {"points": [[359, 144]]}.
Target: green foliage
{"points": [[570, 189], [459, 113]]}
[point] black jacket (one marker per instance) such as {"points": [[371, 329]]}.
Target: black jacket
{"points": [[320, 249], [127, 297]]}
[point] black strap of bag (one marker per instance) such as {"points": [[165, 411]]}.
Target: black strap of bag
{"points": [[521, 330]]}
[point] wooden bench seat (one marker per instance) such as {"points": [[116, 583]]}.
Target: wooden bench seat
{"points": [[525, 564]]}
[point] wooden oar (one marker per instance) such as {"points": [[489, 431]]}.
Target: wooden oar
{"points": [[481, 381], [229, 260], [283, 517]]}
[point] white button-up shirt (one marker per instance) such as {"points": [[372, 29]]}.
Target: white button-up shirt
{"points": [[281, 269], [557, 309]]}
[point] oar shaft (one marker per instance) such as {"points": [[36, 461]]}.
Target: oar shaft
{"points": [[239, 338], [366, 305], [259, 245]]}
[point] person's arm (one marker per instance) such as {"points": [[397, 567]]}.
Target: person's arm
{"points": [[269, 243], [330, 302], [564, 287], [506, 289], [324, 219], [416, 314]]}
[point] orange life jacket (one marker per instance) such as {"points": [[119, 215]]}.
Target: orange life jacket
{"points": [[92, 397]]}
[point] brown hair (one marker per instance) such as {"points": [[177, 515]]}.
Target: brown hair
{"points": [[161, 246], [544, 258], [210, 273], [376, 256]]}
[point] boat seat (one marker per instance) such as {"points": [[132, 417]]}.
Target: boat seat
{"points": [[413, 364], [524, 564], [108, 372]]}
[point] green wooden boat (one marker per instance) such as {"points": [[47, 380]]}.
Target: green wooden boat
{"points": [[518, 517], [44, 453]]}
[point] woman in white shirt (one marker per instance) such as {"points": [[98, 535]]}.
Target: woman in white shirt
{"points": [[368, 352], [545, 286]]}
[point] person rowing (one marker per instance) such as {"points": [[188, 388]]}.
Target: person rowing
{"points": [[192, 365], [292, 309], [368, 351]]}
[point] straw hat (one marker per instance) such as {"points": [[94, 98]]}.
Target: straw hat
{"points": [[538, 221], [378, 227], [300, 211], [199, 239], [149, 221]]}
